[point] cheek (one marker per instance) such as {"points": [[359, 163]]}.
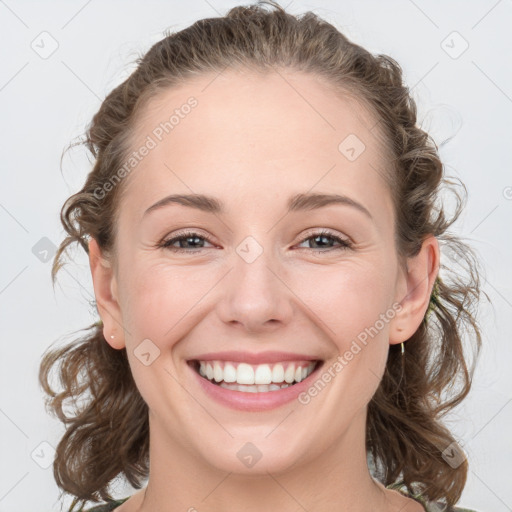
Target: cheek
{"points": [[343, 298], [347, 299], [161, 300], [161, 304], [351, 305]]}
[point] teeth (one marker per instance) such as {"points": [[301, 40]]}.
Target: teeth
{"points": [[278, 373], [209, 371], [263, 374], [260, 388], [245, 374], [229, 373], [253, 377], [218, 374], [289, 374]]}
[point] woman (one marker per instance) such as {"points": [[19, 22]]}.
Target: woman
{"points": [[263, 224]]}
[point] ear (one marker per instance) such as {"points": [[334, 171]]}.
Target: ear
{"points": [[414, 290], [105, 289]]}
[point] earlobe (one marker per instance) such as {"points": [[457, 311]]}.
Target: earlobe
{"points": [[105, 291], [419, 281]]}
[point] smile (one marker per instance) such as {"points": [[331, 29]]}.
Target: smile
{"points": [[249, 378]]}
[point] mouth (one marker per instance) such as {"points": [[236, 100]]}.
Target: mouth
{"points": [[254, 378]]}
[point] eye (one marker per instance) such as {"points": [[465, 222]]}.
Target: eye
{"points": [[320, 238], [184, 238], [193, 238]]}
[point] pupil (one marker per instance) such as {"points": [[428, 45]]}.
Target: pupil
{"points": [[320, 237], [191, 238]]}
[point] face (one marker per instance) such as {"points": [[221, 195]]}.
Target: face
{"points": [[269, 279]]}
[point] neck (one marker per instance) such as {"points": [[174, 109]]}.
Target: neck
{"points": [[337, 478]]}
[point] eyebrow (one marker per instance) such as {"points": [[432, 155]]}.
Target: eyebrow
{"points": [[298, 202]]}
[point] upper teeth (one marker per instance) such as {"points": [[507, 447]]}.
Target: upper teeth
{"points": [[244, 373]]}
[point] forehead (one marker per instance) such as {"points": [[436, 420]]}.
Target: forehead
{"points": [[248, 133]]}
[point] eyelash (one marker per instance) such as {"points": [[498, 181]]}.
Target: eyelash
{"points": [[166, 244]]}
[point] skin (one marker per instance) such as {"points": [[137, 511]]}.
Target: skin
{"points": [[252, 142]]}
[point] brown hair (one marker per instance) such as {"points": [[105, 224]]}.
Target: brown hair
{"points": [[108, 435]]}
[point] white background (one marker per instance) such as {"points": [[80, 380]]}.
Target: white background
{"points": [[45, 103]]}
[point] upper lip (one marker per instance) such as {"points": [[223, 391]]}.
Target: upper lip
{"points": [[254, 358]]}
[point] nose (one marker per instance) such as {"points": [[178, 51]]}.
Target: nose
{"points": [[255, 295]]}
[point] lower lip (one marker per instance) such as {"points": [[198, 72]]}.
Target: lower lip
{"points": [[260, 401]]}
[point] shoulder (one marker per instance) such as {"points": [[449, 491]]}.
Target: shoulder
{"points": [[438, 507], [429, 506], [106, 507]]}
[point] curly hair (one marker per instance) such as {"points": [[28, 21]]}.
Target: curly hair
{"points": [[107, 435]]}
